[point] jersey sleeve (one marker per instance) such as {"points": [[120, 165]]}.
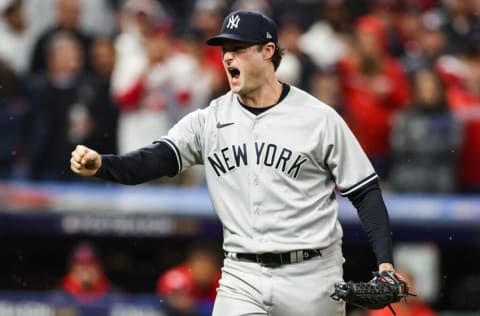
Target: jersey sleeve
{"points": [[185, 139], [344, 157], [141, 165]]}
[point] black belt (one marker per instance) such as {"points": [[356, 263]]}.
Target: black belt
{"points": [[273, 260]]}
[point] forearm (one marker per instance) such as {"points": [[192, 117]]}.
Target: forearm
{"points": [[375, 221], [138, 166]]}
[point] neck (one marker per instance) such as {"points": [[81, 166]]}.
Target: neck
{"points": [[265, 95]]}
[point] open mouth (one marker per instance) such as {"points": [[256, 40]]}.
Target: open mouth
{"points": [[234, 73]]}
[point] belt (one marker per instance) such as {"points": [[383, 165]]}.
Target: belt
{"points": [[273, 260]]}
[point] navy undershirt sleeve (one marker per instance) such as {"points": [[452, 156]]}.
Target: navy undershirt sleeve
{"points": [[373, 215], [141, 165]]}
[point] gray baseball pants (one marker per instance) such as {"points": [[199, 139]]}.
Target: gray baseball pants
{"points": [[249, 289]]}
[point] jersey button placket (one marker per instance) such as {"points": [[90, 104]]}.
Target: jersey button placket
{"points": [[255, 130], [255, 181]]}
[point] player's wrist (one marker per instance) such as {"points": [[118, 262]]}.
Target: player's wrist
{"points": [[386, 266]]}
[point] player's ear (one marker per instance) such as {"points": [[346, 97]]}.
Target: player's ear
{"points": [[268, 50]]}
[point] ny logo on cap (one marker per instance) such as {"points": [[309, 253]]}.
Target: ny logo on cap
{"points": [[233, 22]]}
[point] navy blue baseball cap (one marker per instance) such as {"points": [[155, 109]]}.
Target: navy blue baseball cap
{"points": [[246, 26]]}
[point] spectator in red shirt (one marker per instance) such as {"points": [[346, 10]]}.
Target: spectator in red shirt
{"points": [[85, 280], [374, 86], [206, 19], [189, 288]]}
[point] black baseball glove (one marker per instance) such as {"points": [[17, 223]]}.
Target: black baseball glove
{"points": [[385, 288]]}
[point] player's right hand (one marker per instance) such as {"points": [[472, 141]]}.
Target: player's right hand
{"points": [[85, 161]]}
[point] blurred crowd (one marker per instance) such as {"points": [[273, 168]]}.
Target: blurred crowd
{"points": [[186, 288], [116, 75]]}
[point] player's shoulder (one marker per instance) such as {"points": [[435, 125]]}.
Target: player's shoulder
{"points": [[221, 105], [222, 101], [202, 116], [300, 98]]}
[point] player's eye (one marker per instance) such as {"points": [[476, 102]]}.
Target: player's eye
{"points": [[235, 48], [230, 49]]}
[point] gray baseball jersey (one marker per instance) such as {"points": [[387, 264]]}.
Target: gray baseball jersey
{"points": [[272, 177]]}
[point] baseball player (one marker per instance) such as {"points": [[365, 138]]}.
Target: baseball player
{"points": [[274, 157]]}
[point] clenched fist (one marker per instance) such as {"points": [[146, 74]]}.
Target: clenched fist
{"points": [[85, 161]]}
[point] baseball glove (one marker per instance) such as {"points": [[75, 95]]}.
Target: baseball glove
{"points": [[385, 288]]}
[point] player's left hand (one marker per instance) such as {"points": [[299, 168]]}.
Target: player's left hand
{"points": [[387, 271], [385, 288], [394, 278]]}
